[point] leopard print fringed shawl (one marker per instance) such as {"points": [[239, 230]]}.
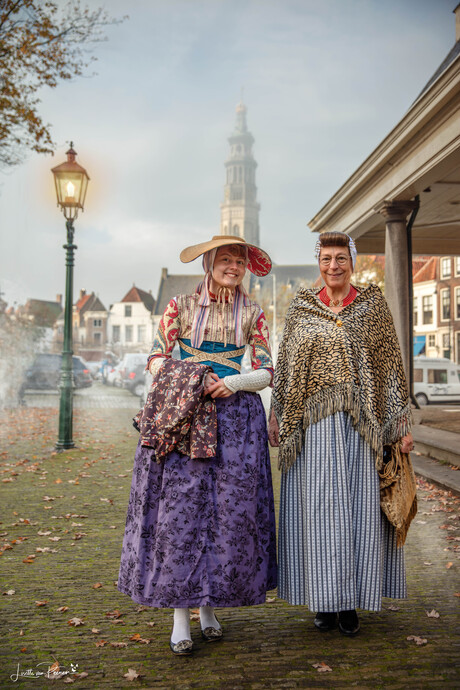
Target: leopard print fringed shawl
{"points": [[349, 361]]}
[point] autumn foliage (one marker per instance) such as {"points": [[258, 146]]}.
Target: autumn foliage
{"points": [[41, 44]]}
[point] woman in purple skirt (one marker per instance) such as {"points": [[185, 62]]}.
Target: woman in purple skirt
{"points": [[200, 532]]}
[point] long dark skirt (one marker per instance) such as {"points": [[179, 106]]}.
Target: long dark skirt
{"points": [[202, 532]]}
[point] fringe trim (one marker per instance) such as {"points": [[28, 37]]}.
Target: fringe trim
{"points": [[398, 426], [343, 397]]}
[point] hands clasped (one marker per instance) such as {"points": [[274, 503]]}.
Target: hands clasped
{"points": [[215, 387]]}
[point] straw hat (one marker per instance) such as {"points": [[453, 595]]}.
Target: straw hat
{"points": [[259, 262]]}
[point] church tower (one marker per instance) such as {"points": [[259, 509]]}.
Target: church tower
{"points": [[239, 212]]}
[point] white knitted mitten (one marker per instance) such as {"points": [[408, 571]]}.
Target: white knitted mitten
{"points": [[254, 381]]}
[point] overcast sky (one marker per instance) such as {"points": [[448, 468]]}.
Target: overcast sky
{"points": [[324, 82]]}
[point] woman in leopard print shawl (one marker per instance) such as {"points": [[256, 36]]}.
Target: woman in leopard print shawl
{"points": [[339, 395]]}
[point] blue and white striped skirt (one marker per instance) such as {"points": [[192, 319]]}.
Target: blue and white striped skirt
{"points": [[337, 550]]}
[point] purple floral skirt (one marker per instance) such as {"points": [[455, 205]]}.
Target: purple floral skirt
{"points": [[202, 532]]}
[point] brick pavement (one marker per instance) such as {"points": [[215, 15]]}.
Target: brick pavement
{"points": [[80, 498]]}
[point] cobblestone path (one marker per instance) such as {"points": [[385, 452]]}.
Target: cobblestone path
{"points": [[61, 528]]}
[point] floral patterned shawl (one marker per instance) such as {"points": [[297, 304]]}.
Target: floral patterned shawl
{"points": [[176, 415]]}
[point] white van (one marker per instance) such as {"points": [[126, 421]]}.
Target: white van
{"points": [[436, 379]]}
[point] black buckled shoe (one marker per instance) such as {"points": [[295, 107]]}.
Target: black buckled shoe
{"points": [[348, 622], [325, 620]]}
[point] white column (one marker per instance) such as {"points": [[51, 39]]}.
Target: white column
{"points": [[397, 271]]}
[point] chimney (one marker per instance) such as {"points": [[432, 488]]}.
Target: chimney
{"points": [[164, 271], [82, 292], [59, 300], [457, 23]]}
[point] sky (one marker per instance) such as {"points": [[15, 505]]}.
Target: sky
{"points": [[324, 82]]}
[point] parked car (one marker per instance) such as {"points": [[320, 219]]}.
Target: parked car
{"points": [[95, 369], [128, 366], [135, 381], [436, 379], [45, 372], [113, 375]]}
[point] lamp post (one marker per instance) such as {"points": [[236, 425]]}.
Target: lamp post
{"points": [[71, 182]]}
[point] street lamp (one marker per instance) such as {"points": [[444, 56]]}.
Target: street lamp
{"points": [[71, 182]]}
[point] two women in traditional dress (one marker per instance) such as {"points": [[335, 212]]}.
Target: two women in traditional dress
{"points": [[201, 532]]}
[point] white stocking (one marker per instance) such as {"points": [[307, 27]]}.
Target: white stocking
{"points": [[207, 618], [181, 628]]}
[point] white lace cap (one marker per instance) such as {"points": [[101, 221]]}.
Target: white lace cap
{"points": [[351, 247]]}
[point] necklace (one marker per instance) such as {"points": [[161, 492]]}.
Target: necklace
{"points": [[324, 297]]}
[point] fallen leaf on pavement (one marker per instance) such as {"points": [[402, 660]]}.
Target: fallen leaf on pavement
{"points": [[54, 538], [392, 607], [118, 644], [427, 563], [96, 631], [132, 674], [44, 534], [152, 623], [101, 643], [113, 614], [75, 621], [9, 592], [97, 585], [322, 667], [68, 679], [449, 565], [270, 600], [41, 603], [62, 609], [418, 640], [136, 636], [432, 614]]}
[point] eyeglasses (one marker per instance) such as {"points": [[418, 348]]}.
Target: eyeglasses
{"points": [[341, 260]]}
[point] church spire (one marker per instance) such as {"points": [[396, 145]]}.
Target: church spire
{"points": [[240, 209]]}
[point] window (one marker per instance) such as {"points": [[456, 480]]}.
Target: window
{"points": [[457, 303], [445, 305], [141, 333], [128, 310], [129, 334], [427, 308], [457, 265], [446, 267], [115, 334], [418, 375], [97, 323], [236, 229], [97, 338], [437, 375], [446, 345], [415, 314], [432, 340]]}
